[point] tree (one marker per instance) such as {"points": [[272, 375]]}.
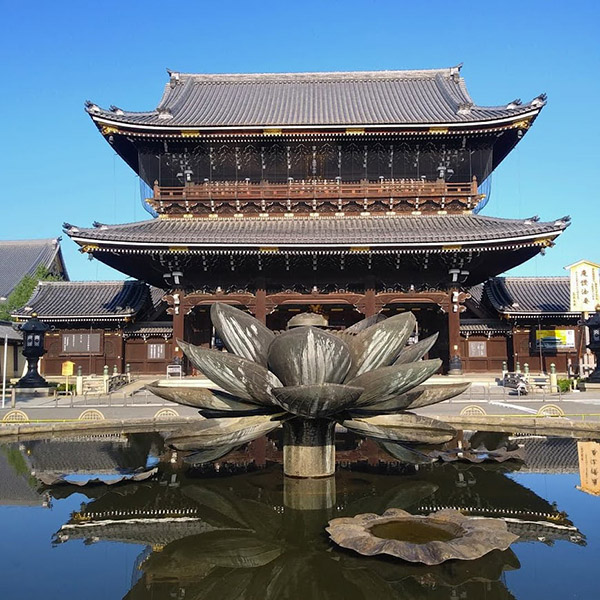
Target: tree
{"points": [[23, 290]]}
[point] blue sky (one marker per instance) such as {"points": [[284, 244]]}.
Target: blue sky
{"points": [[56, 167]]}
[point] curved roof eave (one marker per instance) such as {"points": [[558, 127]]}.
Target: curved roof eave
{"points": [[104, 119]]}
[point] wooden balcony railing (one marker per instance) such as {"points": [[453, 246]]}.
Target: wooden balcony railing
{"points": [[265, 195]]}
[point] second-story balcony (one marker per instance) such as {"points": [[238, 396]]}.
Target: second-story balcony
{"points": [[303, 196]]}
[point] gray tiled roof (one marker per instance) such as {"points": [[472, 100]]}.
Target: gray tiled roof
{"points": [[6, 329], [156, 329], [422, 97], [550, 455], [484, 326], [23, 257], [56, 300], [529, 295], [323, 231]]}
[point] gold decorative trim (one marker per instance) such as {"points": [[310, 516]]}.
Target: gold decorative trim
{"points": [[89, 248], [438, 130], [272, 131], [108, 129], [186, 133], [355, 130], [524, 124], [178, 249], [360, 249], [450, 248], [268, 249]]}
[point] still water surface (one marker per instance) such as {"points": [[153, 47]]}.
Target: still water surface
{"points": [[238, 529]]}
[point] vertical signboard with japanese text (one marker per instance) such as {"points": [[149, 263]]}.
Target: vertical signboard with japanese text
{"points": [[585, 286]]}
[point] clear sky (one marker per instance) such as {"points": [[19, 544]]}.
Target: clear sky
{"points": [[56, 167]]}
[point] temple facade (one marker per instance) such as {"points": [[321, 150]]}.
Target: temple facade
{"points": [[346, 194]]}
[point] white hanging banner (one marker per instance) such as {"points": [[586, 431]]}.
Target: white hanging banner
{"points": [[585, 286]]}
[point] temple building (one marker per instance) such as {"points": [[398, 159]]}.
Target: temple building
{"points": [[345, 194], [98, 323]]}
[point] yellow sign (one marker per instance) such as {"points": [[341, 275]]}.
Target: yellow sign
{"points": [[585, 286], [555, 339], [67, 368]]}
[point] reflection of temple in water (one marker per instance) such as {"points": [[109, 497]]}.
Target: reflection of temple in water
{"points": [[212, 536], [207, 535], [589, 461]]}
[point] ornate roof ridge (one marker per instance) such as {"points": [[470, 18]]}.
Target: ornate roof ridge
{"points": [[283, 77], [93, 282]]}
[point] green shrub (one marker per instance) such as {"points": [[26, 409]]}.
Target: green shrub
{"points": [[564, 385]]}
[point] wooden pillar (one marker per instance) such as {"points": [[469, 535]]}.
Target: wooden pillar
{"points": [[260, 308], [369, 302], [178, 312], [454, 310]]}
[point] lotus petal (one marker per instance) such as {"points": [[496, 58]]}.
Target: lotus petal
{"points": [[224, 432], [315, 401], [402, 428], [240, 377], [235, 549], [386, 383], [206, 456], [407, 455], [416, 351], [201, 397], [365, 323], [309, 356], [379, 345], [422, 395], [432, 394], [393, 405], [241, 333]]}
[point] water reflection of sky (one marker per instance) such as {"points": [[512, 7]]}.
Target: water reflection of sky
{"points": [[293, 546], [563, 570]]}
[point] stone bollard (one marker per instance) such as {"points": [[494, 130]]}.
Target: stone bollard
{"points": [[526, 370], [518, 367], [504, 369], [105, 377], [128, 372], [79, 382], [553, 379], [13, 398]]}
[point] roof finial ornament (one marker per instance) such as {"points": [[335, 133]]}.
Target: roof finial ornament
{"points": [[91, 107], [174, 77], [539, 101], [116, 110], [516, 102], [455, 71]]}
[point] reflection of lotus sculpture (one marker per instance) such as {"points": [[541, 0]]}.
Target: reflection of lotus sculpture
{"points": [[309, 380], [443, 535], [258, 552]]}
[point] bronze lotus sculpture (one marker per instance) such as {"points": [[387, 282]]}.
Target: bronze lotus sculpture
{"points": [[307, 380]]}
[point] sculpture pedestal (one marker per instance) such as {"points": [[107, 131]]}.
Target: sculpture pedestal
{"points": [[308, 447]]}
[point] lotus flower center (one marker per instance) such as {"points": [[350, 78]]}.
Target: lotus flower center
{"points": [[417, 531]]}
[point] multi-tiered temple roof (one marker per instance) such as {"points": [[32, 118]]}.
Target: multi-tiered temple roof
{"points": [[255, 174]]}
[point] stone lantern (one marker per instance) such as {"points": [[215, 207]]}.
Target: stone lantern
{"points": [[33, 349]]}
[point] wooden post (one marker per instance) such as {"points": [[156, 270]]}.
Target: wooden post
{"points": [[178, 312], [370, 304], [260, 308], [455, 364]]}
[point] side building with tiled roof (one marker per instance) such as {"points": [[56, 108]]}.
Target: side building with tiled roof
{"points": [[524, 320], [19, 258], [98, 323]]}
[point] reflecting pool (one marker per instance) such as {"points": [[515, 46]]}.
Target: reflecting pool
{"points": [[126, 516]]}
